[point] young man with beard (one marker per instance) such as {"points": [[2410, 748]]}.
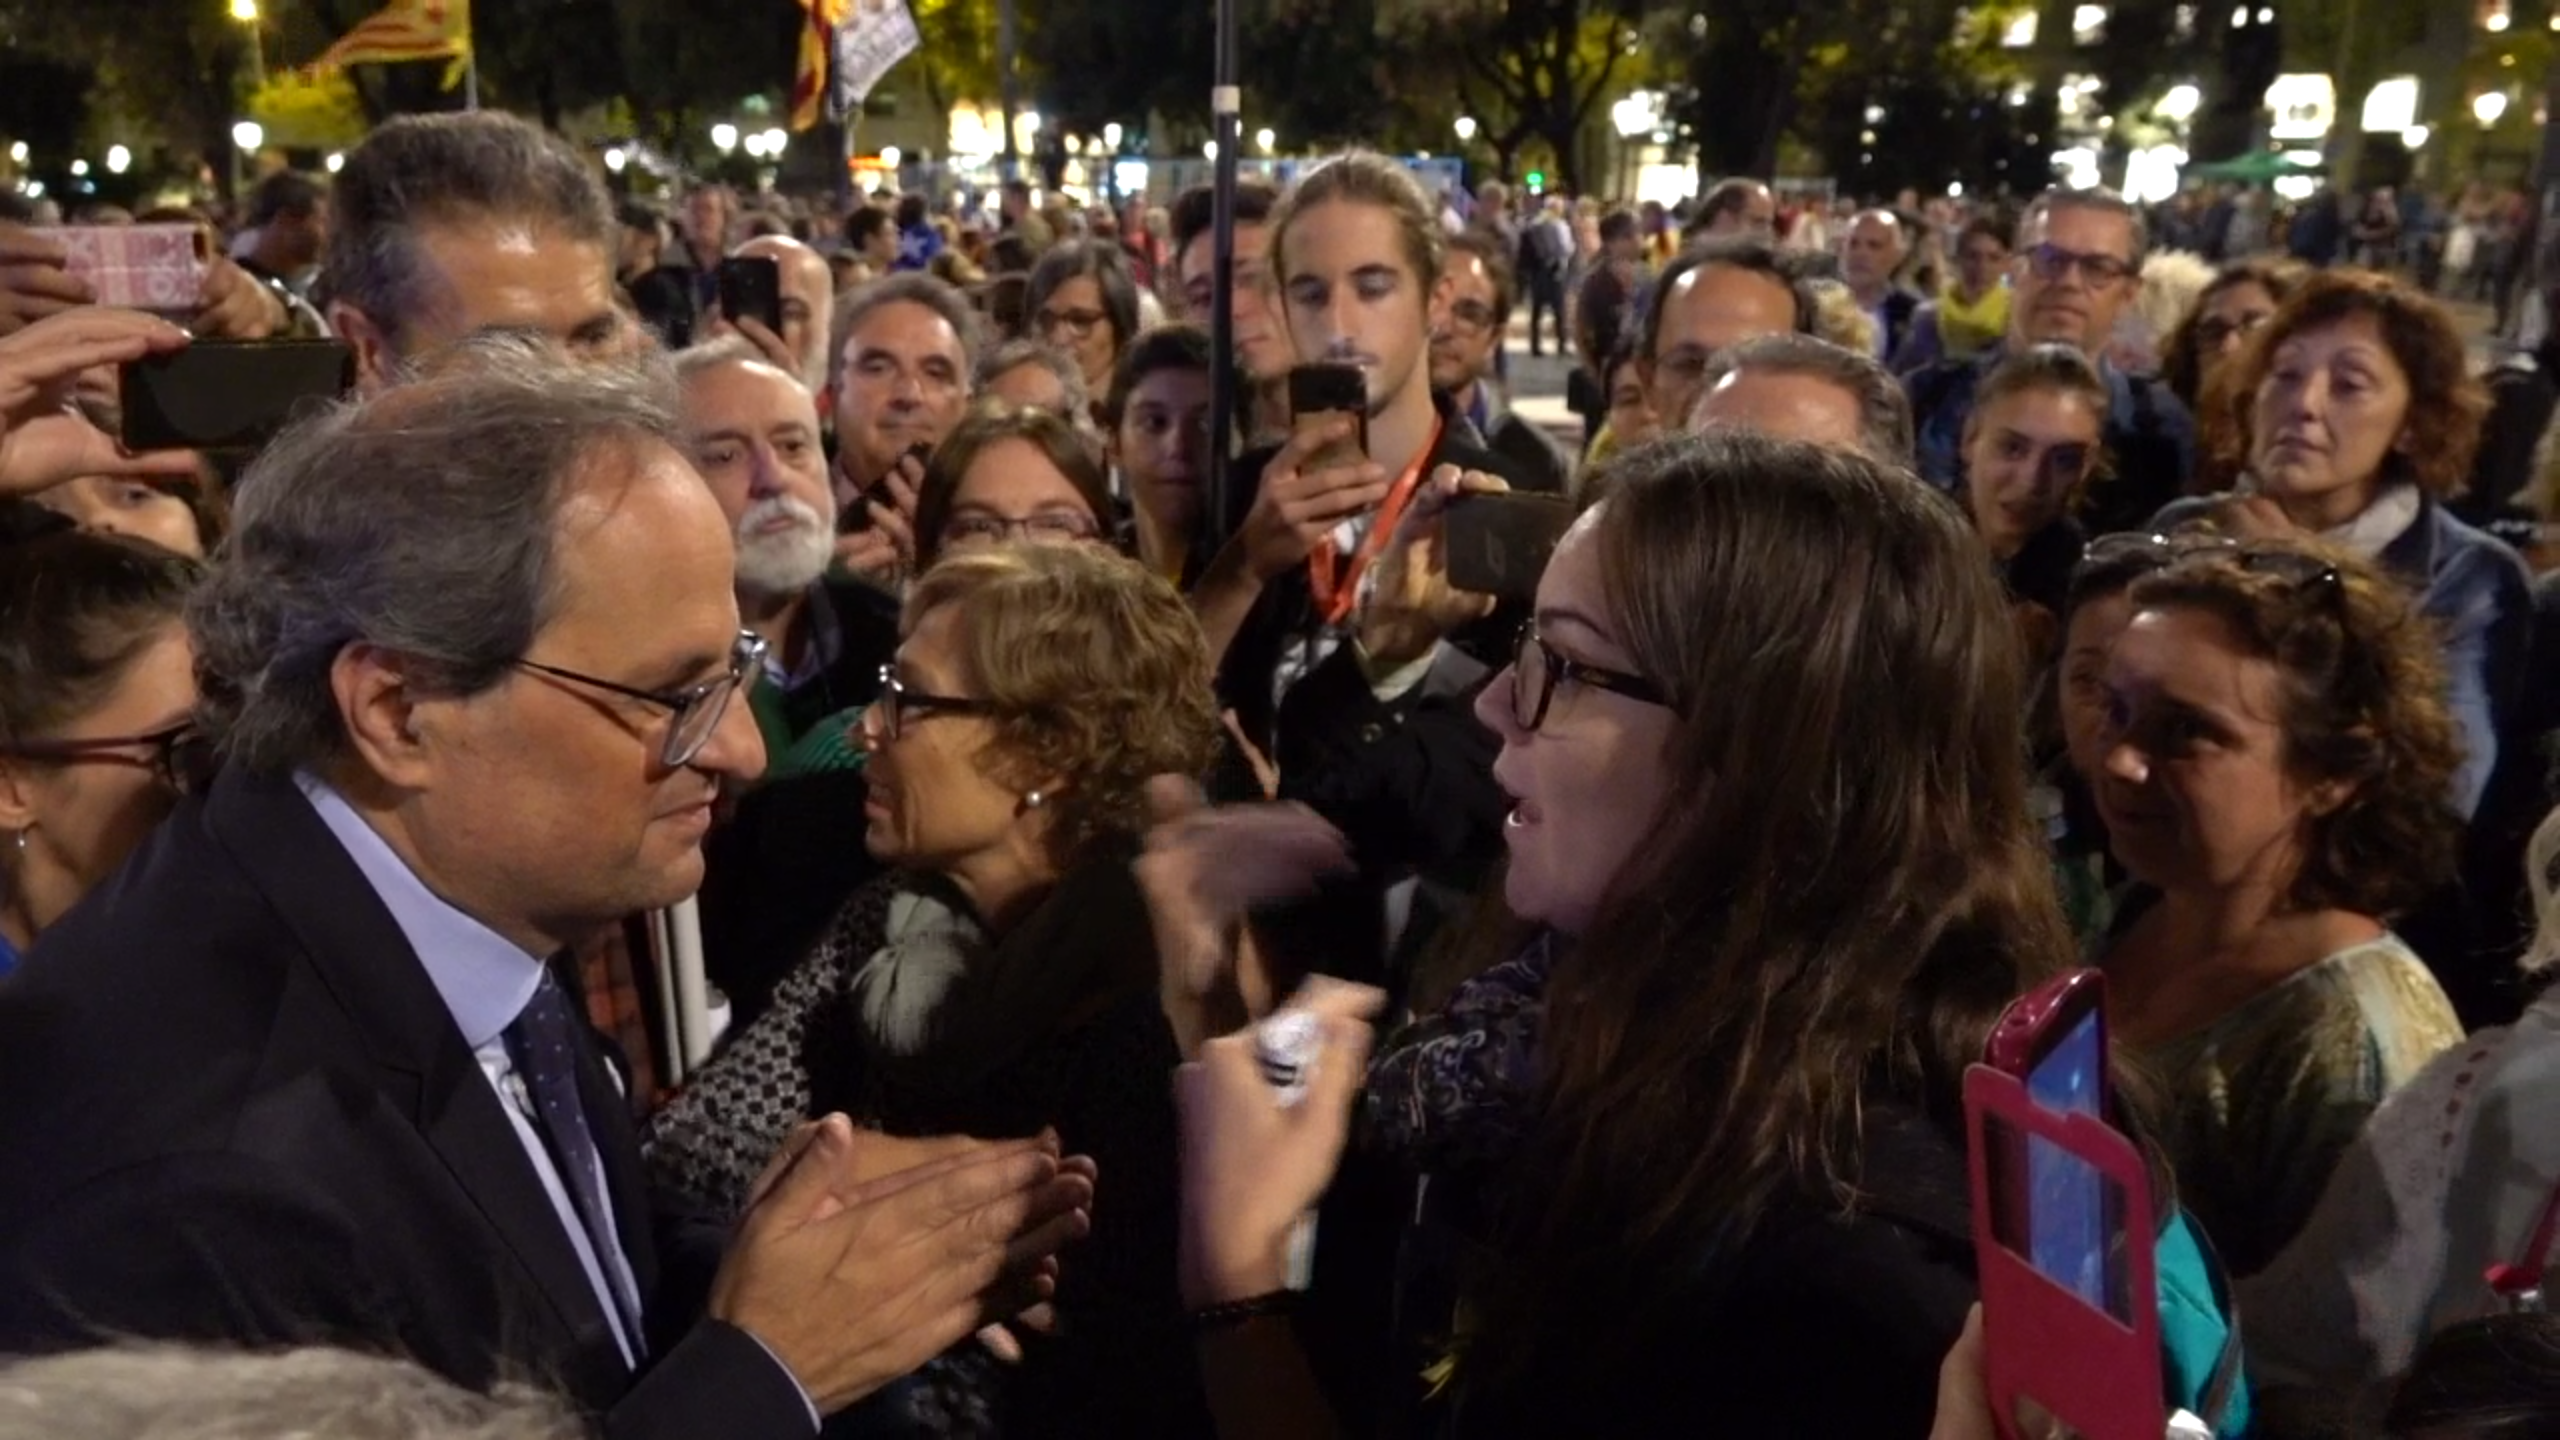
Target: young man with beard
{"points": [[1469, 319], [753, 431]]}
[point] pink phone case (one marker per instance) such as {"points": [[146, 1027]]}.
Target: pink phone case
{"points": [[2091, 1371], [139, 267]]}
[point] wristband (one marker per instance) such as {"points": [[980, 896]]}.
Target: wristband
{"points": [[1236, 1312]]}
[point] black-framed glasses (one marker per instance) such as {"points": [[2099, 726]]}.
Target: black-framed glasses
{"points": [[1049, 527], [1537, 669], [1079, 324], [2052, 262], [2159, 552], [178, 756], [696, 709], [899, 703]]}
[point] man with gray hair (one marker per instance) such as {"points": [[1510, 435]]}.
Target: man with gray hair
{"points": [[902, 382], [124, 1391], [753, 433], [442, 226], [2077, 269], [1795, 387], [302, 1074]]}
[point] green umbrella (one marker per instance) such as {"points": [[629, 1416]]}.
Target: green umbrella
{"points": [[2257, 167]]}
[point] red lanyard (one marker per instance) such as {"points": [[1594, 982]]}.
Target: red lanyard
{"points": [[1335, 594]]}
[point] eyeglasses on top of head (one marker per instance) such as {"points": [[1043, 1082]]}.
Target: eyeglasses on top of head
{"points": [[179, 756], [696, 709], [2158, 552], [1537, 668]]}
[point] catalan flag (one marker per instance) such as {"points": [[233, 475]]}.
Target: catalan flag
{"points": [[404, 30], [817, 43]]}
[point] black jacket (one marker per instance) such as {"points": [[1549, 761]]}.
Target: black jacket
{"points": [[238, 1111]]}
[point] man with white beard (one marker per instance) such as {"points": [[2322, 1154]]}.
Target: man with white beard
{"points": [[753, 428]]}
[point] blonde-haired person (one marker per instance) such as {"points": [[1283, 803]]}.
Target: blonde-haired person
{"points": [[1000, 978], [2450, 1177]]}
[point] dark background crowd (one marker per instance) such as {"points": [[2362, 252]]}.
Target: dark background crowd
{"points": [[1908, 604]]}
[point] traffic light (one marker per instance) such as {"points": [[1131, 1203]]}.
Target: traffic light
{"points": [[1537, 179]]}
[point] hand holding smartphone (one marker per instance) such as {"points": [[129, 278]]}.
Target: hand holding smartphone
{"points": [[751, 289], [1498, 544], [1319, 392], [218, 395]]}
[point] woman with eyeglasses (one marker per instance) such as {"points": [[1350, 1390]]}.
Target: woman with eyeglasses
{"points": [[2275, 777], [2241, 297], [96, 689], [1771, 922], [999, 979], [2350, 417], [1081, 301]]}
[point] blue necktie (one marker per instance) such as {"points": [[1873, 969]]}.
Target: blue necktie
{"points": [[542, 1043]]}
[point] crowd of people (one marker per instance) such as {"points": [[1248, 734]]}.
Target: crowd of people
{"points": [[1916, 630]]}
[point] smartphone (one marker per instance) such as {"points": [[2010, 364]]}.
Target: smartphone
{"points": [[751, 289], [2093, 1368], [139, 267], [1318, 392], [1498, 544], [229, 395], [2054, 1040]]}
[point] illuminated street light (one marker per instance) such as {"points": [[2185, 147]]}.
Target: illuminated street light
{"points": [[776, 140], [119, 159], [245, 11], [2415, 137], [1111, 134], [1264, 139], [336, 162], [724, 137], [2180, 103], [2490, 106], [80, 168], [1466, 128], [890, 155], [614, 159], [17, 152], [2497, 22], [1209, 151], [248, 135]]}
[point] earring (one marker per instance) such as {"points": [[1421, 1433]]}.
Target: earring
{"points": [[1034, 800]]}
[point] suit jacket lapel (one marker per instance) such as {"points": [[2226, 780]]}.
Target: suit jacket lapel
{"points": [[359, 955]]}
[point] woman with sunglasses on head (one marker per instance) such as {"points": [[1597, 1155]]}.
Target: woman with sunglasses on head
{"points": [[998, 980], [2277, 761], [96, 688], [1770, 922], [2351, 415]]}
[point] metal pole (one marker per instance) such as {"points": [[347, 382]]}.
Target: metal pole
{"points": [[1226, 111], [471, 79], [1011, 164]]}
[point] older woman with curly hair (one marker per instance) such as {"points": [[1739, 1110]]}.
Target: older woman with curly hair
{"points": [[1000, 979], [2276, 758], [2351, 416]]}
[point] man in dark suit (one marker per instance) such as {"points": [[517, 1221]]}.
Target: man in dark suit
{"points": [[300, 1074]]}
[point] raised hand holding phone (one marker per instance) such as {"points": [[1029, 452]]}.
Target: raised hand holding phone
{"points": [[42, 441]]}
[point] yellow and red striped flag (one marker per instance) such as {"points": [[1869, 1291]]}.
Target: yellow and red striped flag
{"points": [[817, 44], [403, 30]]}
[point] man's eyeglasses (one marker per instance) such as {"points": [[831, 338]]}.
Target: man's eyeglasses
{"points": [[179, 756], [2159, 552], [1473, 316], [1079, 324], [1537, 669], [697, 709], [2052, 262], [898, 705], [1049, 527]]}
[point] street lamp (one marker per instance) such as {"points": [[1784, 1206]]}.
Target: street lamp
{"points": [[1466, 128], [79, 169], [724, 137], [890, 155], [614, 159], [774, 141], [2489, 106], [246, 12], [249, 136], [2415, 137], [119, 159], [1111, 134], [1264, 139]]}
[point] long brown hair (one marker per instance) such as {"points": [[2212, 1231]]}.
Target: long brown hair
{"points": [[1836, 903]]}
